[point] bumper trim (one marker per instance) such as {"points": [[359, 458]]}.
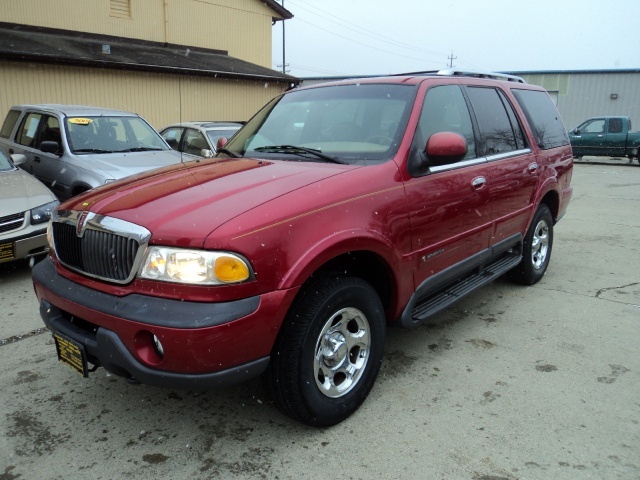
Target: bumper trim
{"points": [[144, 309], [105, 349]]}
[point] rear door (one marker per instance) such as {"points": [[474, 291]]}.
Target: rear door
{"points": [[616, 137], [37, 127], [512, 169]]}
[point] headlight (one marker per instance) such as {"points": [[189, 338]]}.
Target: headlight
{"points": [[42, 214], [194, 266]]}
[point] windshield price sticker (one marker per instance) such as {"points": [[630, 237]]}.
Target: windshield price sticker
{"points": [[80, 121]]}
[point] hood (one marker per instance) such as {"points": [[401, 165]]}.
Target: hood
{"points": [[120, 165], [20, 191], [198, 197]]}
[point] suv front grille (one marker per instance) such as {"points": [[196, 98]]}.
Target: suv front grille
{"points": [[108, 248], [102, 254], [11, 222]]}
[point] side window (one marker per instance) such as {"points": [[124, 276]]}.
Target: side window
{"points": [[444, 110], [172, 137], [521, 141], [50, 130], [496, 131], [543, 117], [9, 123], [615, 125], [28, 130], [595, 126], [194, 142]]}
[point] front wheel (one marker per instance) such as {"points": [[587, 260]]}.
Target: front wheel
{"points": [[329, 351], [536, 248]]}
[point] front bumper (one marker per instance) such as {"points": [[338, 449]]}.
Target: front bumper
{"points": [[205, 345], [24, 246]]}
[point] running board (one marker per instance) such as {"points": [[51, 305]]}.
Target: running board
{"points": [[479, 277]]}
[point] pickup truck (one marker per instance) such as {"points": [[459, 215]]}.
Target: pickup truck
{"points": [[605, 137]]}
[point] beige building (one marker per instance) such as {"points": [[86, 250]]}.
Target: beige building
{"points": [[168, 60]]}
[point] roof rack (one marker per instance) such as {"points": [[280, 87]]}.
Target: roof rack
{"points": [[481, 74]]}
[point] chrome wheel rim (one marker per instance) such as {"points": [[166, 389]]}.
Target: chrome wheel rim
{"points": [[341, 352], [540, 244]]}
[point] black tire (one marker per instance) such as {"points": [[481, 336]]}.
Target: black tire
{"points": [[328, 352], [536, 249]]}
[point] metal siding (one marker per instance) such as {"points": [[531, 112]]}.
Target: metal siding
{"points": [[161, 99], [586, 95], [241, 27]]}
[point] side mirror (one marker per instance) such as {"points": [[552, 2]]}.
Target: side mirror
{"points": [[222, 141], [50, 147], [576, 131], [206, 153], [18, 159], [445, 147]]}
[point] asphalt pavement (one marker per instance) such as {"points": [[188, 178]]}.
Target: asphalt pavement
{"points": [[511, 383]]}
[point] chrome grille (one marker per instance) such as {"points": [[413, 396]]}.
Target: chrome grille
{"points": [[105, 247], [11, 222]]}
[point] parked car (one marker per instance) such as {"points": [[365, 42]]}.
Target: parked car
{"points": [[606, 137], [337, 209], [198, 139], [73, 148], [25, 210]]}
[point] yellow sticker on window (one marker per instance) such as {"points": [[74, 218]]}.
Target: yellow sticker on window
{"points": [[80, 121]]}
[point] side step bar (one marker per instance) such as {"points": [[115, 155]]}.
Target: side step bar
{"points": [[479, 277]]}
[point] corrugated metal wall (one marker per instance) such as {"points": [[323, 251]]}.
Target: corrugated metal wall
{"points": [[584, 95], [241, 27], [159, 98]]}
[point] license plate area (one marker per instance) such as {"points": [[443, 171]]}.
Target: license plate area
{"points": [[6, 251], [72, 354]]}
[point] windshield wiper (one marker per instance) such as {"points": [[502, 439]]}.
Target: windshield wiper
{"points": [[299, 151], [139, 149], [229, 152], [91, 150]]}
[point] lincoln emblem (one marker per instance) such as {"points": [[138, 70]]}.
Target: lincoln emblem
{"points": [[81, 224]]}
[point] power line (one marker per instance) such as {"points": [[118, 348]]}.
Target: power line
{"points": [[363, 31]]}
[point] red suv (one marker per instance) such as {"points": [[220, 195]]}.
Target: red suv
{"points": [[337, 209]]}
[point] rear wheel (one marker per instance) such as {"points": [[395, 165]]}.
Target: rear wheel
{"points": [[536, 248], [329, 351]]}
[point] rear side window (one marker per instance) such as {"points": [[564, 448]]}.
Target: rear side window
{"points": [[497, 132], [615, 125], [9, 123], [543, 117]]}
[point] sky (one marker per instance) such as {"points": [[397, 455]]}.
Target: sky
{"points": [[379, 37]]}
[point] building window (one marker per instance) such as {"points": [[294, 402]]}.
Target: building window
{"points": [[120, 8]]}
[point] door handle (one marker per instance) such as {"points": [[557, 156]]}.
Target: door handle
{"points": [[533, 167], [600, 136], [478, 183]]}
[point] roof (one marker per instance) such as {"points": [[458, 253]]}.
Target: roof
{"points": [[65, 47], [210, 125], [74, 110], [279, 9]]}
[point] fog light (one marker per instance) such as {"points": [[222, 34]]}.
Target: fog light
{"points": [[157, 346]]}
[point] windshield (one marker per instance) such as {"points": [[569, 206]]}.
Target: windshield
{"points": [[112, 135], [355, 124], [5, 163]]}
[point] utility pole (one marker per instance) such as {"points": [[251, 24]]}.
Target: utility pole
{"points": [[284, 63], [450, 57]]}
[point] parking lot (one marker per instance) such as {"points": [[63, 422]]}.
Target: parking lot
{"points": [[512, 383]]}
